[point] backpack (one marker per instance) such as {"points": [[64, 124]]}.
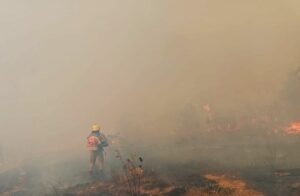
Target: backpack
{"points": [[92, 143]]}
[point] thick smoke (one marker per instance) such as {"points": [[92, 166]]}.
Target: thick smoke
{"points": [[142, 69]]}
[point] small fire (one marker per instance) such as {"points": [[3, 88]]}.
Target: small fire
{"points": [[294, 128]]}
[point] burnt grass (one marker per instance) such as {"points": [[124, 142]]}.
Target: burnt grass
{"points": [[161, 175], [260, 178], [188, 175]]}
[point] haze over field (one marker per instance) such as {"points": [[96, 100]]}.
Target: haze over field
{"points": [[134, 66]]}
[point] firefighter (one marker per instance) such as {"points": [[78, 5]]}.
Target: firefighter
{"points": [[96, 142]]}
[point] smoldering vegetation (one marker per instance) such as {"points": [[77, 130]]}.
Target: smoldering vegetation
{"points": [[198, 89]]}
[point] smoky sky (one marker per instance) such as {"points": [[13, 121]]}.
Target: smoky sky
{"points": [[67, 64]]}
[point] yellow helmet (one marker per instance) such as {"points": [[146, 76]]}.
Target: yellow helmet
{"points": [[96, 127]]}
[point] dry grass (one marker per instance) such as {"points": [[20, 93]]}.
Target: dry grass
{"points": [[133, 172], [238, 187]]}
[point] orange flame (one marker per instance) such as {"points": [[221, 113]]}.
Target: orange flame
{"points": [[294, 128]]}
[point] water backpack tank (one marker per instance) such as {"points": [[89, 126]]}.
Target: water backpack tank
{"points": [[92, 143]]}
